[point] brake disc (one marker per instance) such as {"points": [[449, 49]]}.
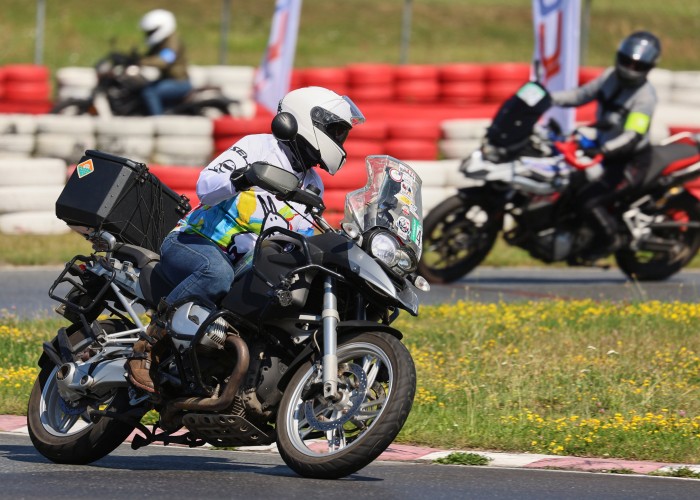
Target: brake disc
{"points": [[352, 404]]}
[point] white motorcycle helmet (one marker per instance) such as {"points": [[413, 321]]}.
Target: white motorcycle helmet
{"points": [[158, 25], [324, 119]]}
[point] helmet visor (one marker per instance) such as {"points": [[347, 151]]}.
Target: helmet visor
{"points": [[633, 64], [640, 49]]}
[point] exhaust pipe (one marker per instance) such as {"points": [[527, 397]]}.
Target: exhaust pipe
{"points": [[75, 381], [230, 390]]}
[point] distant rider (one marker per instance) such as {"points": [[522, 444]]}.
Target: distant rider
{"points": [[626, 103], [166, 53]]}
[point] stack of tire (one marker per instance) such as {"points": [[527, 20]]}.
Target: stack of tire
{"points": [[333, 78], [64, 137], [685, 88], [503, 79], [29, 188], [228, 130], [366, 139], [183, 140], [413, 140], [352, 176], [17, 135], [75, 82], [26, 88], [236, 83], [182, 180], [417, 83], [371, 82], [128, 136], [440, 180], [462, 84], [460, 138]]}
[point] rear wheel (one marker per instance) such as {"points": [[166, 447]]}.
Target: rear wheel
{"points": [[648, 265], [63, 432], [458, 234]]}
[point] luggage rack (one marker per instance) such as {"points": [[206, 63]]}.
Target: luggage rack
{"points": [[74, 274]]}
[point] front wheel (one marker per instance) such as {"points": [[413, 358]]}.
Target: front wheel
{"points": [[327, 439], [458, 234], [645, 265]]}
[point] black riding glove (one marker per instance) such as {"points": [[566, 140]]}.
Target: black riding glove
{"points": [[239, 180], [592, 151]]}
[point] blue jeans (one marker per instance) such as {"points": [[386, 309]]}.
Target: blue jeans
{"points": [[163, 92], [198, 265]]}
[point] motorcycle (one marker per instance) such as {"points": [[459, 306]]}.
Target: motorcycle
{"points": [[300, 352], [117, 93], [525, 187]]}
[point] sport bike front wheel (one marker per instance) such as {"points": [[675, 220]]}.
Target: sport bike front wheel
{"points": [[326, 439], [458, 234]]}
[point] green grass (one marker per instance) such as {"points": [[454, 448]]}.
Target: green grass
{"points": [[577, 378], [572, 378], [461, 458], [339, 33]]}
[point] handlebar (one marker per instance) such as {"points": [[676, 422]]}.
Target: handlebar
{"points": [[568, 150]]}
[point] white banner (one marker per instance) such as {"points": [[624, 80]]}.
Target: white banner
{"points": [[273, 75], [556, 59]]}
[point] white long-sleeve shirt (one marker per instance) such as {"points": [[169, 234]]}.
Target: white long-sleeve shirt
{"points": [[234, 220]]}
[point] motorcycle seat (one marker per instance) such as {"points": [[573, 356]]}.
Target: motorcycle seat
{"points": [[138, 256], [154, 284], [664, 156]]}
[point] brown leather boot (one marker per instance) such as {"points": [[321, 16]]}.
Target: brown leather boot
{"points": [[142, 363]]}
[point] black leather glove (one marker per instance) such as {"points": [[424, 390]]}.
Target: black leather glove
{"points": [[239, 180], [592, 151]]}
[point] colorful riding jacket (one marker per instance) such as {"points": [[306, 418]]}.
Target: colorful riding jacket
{"points": [[233, 220]]}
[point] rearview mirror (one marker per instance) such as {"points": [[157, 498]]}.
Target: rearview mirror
{"points": [[272, 178]]}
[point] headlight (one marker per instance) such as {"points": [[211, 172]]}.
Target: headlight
{"points": [[406, 261], [385, 247]]}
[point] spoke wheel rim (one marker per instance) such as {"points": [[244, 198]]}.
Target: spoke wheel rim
{"points": [[56, 418], [337, 426], [456, 239]]}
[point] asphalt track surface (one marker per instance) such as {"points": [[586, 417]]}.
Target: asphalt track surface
{"points": [[24, 290], [175, 472]]}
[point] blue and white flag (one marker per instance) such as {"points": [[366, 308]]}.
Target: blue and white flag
{"points": [[275, 71], [556, 59]]}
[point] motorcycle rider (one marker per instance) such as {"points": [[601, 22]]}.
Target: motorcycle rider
{"points": [[626, 103], [166, 52], [200, 253]]}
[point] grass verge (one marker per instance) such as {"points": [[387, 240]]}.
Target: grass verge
{"points": [[578, 378]]}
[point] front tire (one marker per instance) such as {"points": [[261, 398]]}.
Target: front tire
{"points": [[65, 434], [659, 265], [323, 439], [458, 234]]}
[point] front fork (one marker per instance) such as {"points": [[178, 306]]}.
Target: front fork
{"points": [[330, 320]]}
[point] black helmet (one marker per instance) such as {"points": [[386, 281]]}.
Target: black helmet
{"points": [[636, 56]]}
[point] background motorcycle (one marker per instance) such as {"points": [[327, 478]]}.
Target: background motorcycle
{"points": [[118, 93], [531, 177], [300, 351]]}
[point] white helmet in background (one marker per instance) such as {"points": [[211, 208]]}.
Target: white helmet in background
{"points": [[324, 119], [158, 25]]}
